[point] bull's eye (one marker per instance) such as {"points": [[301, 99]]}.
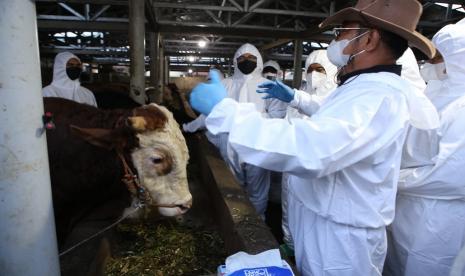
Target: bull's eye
{"points": [[162, 162], [157, 160]]}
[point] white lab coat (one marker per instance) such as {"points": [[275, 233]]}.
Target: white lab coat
{"points": [[306, 101], [63, 87], [344, 163], [242, 88], [429, 227]]}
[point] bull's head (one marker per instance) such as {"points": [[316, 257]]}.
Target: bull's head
{"points": [[160, 155]]}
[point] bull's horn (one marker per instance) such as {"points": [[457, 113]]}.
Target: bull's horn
{"points": [[138, 123]]}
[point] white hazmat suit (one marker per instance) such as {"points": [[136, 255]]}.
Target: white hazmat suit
{"points": [[419, 147], [242, 88], [411, 71], [429, 227], [344, 164], [63, 87], [316, 88]]}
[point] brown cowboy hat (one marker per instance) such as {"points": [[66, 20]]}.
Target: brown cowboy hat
{"points": [[397, 16]]}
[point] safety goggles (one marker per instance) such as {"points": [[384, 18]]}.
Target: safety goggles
{"points": [[338, 31]]}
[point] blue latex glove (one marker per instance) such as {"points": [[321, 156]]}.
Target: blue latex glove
{"points": [[277, 90], [205, 96]]}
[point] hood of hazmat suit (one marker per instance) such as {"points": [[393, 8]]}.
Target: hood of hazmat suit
{"points": [[450, 41], [318, 83], [242, 87], [318, 86], [64, 87], [275, 65], [426, 235]]}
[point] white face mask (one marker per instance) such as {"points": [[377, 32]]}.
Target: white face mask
{"points": [[336, 54], [315, 80], [431, 71]]}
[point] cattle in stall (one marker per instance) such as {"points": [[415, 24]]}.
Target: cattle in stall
{"points": [[89, 147], [116, 95], [177, 103], [112, 95]]}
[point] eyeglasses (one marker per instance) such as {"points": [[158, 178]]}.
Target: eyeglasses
{"points": [[338, 31]]}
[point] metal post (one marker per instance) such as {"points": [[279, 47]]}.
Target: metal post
{"points": [[137, 48], [332, 7], [91, 74], [154, 40], [167, 70], [297, 63], [448, 12], [28, 243], [161, 66], [230, 67]]}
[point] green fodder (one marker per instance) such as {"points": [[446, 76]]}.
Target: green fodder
{"points": [[166, 248]]}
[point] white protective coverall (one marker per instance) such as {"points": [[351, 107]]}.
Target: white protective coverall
{"points": [[429, 227], [411, 71], [276, 66], [344, 163], [318, 91], [418, 148], [63, 87], [242, 88]]}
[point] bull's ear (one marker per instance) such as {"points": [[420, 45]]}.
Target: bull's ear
{"points": [[100, 137]]}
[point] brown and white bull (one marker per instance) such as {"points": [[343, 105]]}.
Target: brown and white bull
{"points": [[89, 147]]}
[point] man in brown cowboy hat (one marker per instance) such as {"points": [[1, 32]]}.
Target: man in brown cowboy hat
{"points": [[344, 161]]}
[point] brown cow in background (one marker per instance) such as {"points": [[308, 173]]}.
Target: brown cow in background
{"points": [[116, 95]]}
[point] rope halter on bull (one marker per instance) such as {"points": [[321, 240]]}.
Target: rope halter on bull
{"points": [[138, 191], [132, 183]]}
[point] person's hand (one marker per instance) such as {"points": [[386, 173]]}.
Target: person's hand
{"points": [[277, 90], [205, 96]]}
